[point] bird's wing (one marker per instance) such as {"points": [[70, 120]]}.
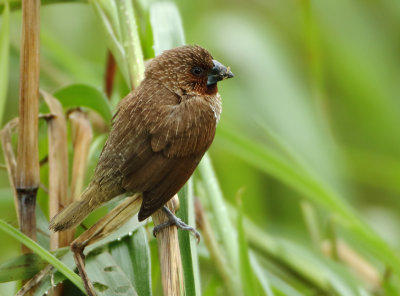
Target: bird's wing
{"points": [[153, 148]]}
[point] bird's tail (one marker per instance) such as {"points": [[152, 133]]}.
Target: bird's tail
{"points": [[76, 212]]}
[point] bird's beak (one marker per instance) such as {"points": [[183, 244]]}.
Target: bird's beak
{"points": [[219, 72]]}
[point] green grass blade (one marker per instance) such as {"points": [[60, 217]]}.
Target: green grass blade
{"points": [[187, 242], [131, 42], [264, 280], [223, 225], [4, 58], [167, 26], [21, 268], [268, 161], [246, 270], [44, 254]]}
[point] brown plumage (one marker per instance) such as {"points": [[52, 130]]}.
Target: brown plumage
{"points": [[159, 134]]}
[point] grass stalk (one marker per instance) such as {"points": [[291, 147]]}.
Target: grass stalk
{"points": [[27, 175], [82, 135], [131, 42], [58, 166], [223, 225], [169, 254], [216, 253]]}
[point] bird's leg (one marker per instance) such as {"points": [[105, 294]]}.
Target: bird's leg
{"points": [[174, 220], [106, 225]]}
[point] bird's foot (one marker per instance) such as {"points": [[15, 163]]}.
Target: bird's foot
{"points": [[174, 220]]}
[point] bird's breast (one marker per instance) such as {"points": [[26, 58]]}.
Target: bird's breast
{"points": [[187, 128]]}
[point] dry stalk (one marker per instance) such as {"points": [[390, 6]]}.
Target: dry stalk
{"points": [[355, 261], [169, 253], [81, 137], [9, 156], [203, 224], [110, 222], [31, 284], [58, 165], [58, 171], [27, 175]]}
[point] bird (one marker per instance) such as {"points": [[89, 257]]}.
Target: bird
{"points": [[159, 134]]}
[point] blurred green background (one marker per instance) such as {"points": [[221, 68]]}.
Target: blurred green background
{"points": [[316, 84]]}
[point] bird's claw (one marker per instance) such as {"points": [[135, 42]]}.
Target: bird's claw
{"points": [[173, 220]]}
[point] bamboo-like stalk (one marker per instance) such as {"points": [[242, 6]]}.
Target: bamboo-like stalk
{"points": [[27, 175], [169, 253]]}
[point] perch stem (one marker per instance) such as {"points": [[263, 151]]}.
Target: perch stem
{"points": [[27, 174], [169, 254]]}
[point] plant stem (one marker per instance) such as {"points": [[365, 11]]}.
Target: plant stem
{"points": [[27, 176], [58, 167], [169, 254], [131, 42]]}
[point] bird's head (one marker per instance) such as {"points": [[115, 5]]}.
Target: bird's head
{"points": [[188, 69]]}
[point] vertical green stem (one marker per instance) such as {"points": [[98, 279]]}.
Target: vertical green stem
{"points": [[4, 57], [131, 41], [223, 225]]}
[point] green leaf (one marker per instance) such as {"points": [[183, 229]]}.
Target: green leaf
{"points": [[138, 269], [44, 254], [21, 268], [246, 270], [187, 242], [42, 225], [167, 26], [80, 95], [131, 225], [107, 277], [4, 58], [264, 280]]}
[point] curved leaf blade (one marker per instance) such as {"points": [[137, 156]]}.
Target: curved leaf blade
{"points": [[44, 254], [81, 95]]}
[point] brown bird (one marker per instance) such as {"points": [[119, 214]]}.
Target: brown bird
{"points": [[159, 134]]}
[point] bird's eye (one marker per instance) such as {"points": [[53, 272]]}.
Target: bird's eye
{"points": [[197, 71]]}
